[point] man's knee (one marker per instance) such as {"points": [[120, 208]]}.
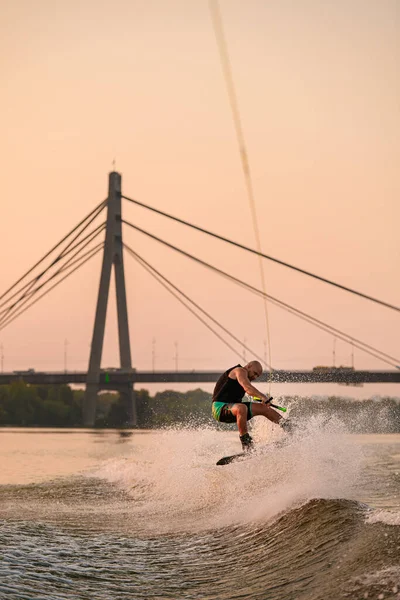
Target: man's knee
{"points": [[240, 410]]}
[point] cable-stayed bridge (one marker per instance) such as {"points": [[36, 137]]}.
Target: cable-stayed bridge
{"points": [[79, 246]]}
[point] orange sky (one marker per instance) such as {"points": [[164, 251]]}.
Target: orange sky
{"points": [[318, 87]]}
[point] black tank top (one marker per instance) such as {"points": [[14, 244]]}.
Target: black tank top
{"points": [[228, 389]]}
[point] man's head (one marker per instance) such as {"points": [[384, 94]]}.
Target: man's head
{"points": [[254, 369]]}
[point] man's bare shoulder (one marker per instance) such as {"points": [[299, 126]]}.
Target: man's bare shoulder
{"points": [[237, 372]]}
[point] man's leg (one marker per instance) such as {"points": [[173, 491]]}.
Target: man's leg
{"points": [[240, 411]]}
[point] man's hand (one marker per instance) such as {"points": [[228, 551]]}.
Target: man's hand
{"points": [[267, 399], [264, 399]]}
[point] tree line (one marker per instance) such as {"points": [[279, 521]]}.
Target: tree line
{"points": [[24, 405]]}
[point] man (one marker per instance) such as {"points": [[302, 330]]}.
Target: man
{"points": [[227, 405]]}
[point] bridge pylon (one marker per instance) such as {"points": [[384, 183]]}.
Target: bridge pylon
{"points": [[112, 255]]}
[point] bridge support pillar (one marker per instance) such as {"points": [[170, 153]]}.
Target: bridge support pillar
{"points": [[112, 255], [128, 405]]}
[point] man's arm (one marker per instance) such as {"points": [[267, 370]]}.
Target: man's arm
{"points": [[241, 376]]}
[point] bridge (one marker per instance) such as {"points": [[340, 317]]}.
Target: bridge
{"points": [[13, 303], [124, 378]]}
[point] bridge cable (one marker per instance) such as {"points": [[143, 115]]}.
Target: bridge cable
{"points": [[228, 76], [190, 309], [300, 314], [93, 253], [96, 210], [64, 253], [30, 283], [66, 266], [153, 271], [276, 260], [29, 292]]}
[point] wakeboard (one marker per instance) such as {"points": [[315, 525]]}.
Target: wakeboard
{"points": [[225, 460], [258, 451]]}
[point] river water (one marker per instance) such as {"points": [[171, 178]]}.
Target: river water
{"points": [[148, 515]]}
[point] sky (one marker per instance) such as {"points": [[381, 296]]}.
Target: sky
{"points": [[140, 82]]}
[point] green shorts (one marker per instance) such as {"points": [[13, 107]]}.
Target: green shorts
{"points": [[221, 411]]}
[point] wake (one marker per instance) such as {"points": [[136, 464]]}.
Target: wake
{"points": [[175, 484]]}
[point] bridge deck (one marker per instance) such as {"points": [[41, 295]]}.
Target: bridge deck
{"points": [[110, 379]]}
